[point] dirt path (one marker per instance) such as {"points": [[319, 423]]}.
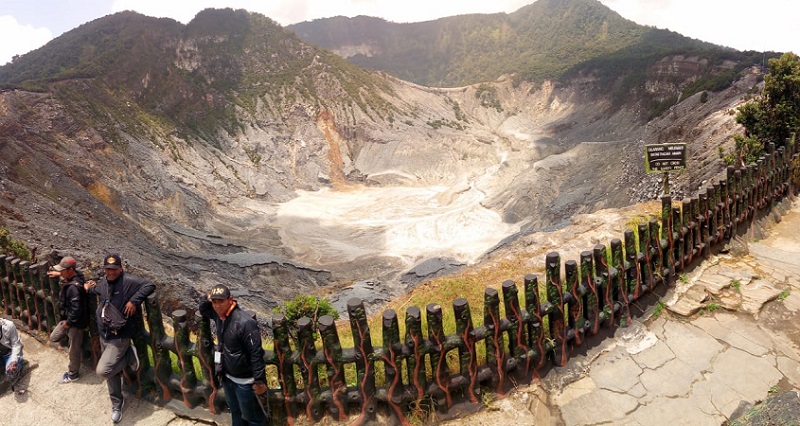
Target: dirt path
{"points": [[84, 402]]}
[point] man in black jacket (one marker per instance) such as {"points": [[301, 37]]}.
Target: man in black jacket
{"points": [[120, 295], [239, 356], [74, 310]]}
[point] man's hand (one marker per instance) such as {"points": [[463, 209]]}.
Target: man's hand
{"points": [[259, 388], [65, 324], [53, 274], [12, 367], [130, 308], [89, 284]]}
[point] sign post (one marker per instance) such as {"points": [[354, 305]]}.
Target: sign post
{"points": [[665, 158]]}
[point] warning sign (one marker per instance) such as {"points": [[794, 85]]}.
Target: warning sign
{"points": [[665, 157]]}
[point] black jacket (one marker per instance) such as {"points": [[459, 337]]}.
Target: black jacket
{"points": [[239, 341], [127, 288], [74, 302]]}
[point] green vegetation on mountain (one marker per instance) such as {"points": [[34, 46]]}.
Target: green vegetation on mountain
{"points": [[194, 79], [544, 40], [771, 118]]}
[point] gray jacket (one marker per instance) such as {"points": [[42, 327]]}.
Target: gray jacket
{"points": [[9, 340]]}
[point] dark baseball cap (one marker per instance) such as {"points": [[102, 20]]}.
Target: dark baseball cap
{"points": [[66, 263], [112, 261], [220, 291]]}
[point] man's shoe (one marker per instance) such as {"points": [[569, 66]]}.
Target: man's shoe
{"points": [[116, 413], [67, 379], [135, 363]]}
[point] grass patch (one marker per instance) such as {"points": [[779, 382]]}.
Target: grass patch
{"points": [[659, 309], [784, 294], [736, 284]]}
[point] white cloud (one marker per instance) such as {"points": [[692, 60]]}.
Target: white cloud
{"points": [[19, 39]]}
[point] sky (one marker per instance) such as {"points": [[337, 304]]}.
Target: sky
{"points": [[765, 25]]}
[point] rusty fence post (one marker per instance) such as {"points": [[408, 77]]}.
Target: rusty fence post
{"points": [[205, 354], [438, 357], [415, 363], [365, 363], [495, 352], [332, 349], [308, 369]]}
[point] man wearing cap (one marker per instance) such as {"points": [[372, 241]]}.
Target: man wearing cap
{"points": [[74, 310], [124, 293], [239, 356]]}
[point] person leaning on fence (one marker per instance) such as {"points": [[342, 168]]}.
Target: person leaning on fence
{"points": [[238, 357], [10, 349], [118, 316], [74, 311]]}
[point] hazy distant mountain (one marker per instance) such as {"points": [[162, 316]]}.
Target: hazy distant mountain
{"points": [[542, 40]]}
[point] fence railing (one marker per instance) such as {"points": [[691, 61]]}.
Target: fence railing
{"points": [[596, 292]]}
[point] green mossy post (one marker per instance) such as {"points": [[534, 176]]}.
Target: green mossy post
{"points": [[592, 303], [668, 235], [467, 355], [536, 325], [687, 231], [205, 354], [739, 206], [679, 233], [694, 206], [18, 291], [495, 353], [283, 352], [365, 364], [159, 344], [555, 296], [308, 368], [183, 348], [713, 214], [415, 363], [518, 344], [336, 397], [441, 373], [4, 285], [705, 233], [37, 293], [633, 278], [657, 247], [604, 285], [30, 296], [577, 322], [16, 295], [618, 283], [645, 265], [47, 296], [29, 307]]}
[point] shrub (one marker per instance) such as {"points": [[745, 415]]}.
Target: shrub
{"points": [[307, 306], [13, 246]]}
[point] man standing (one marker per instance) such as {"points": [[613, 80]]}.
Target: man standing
{"points": [[239, 356], [74, 311], [118, 314], [10, 350]]}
